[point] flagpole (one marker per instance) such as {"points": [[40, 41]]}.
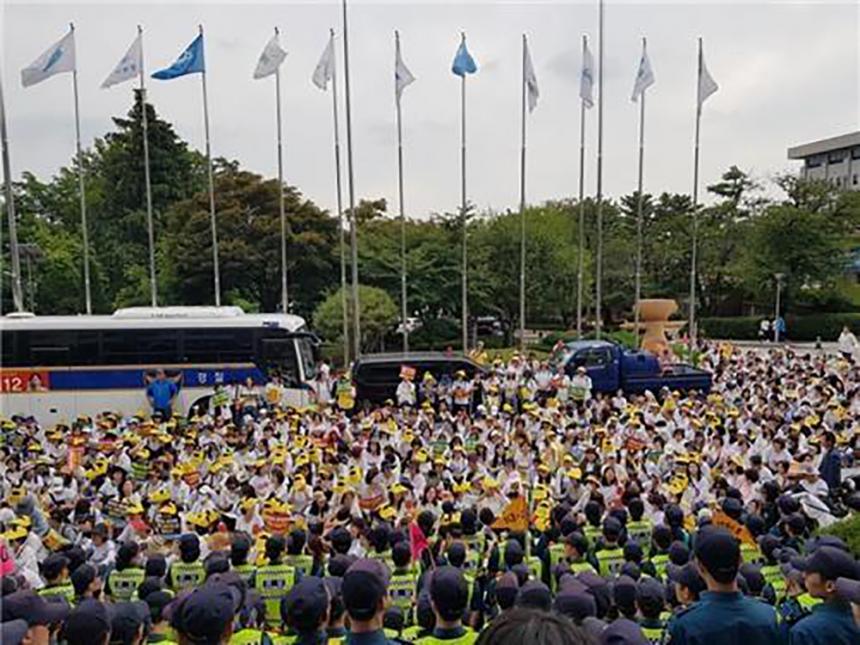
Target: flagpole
{"points": [[692, 313], [465, 283], [212, 221], [83, 198], [353, 233], [285, 308], [17, 291], [153, 284], [580, 273], [599, 272], [639, 205], [343, 296], [403, 292], [523, 205]]}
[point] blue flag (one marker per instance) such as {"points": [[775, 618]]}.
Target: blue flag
{"points": [[189, 62], [463, 62]]}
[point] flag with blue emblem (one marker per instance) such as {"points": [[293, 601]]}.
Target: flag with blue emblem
{"points": [[189, 62], [129, 65], [644, 76], [58, 58], [463, 62]]}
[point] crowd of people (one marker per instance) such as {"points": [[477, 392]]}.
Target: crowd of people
{"points": [[519, 507]]}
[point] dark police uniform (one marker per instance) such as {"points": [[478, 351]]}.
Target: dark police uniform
{"points": [[830, 623], [725, 619]]}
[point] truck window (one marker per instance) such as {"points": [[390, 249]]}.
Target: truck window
{"points": [[598, 357]]}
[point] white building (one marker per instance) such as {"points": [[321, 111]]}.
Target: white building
{"points": [[836, 160]]}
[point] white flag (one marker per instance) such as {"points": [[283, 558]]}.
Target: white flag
{"points": [[129, 65], [402, 75], [325, 68], [707, 85], [58, 58], [530, 79], [644, 76], [270, 59], [586, 79]]}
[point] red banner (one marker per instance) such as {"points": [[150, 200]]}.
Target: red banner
{"points": [[16, 381]]}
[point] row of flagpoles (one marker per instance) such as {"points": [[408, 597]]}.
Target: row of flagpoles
{"points": [[60, 58]]}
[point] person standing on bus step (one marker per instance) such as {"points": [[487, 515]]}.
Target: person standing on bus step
{"points": [[160, 391]]}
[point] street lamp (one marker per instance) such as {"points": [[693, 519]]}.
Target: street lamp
{"points": [[779, 277], [31, 253]]}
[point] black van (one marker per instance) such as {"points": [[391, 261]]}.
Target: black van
{"points": [[377, 376]]}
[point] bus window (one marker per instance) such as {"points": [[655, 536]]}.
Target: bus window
{"points": [[306, 351], [140, 346], [50, 348], [279, 356]]}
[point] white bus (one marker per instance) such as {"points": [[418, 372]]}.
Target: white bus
{"points": [[57, 367]]}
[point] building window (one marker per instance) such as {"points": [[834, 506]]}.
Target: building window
{"points": [[854, 180], [837, 156], [855, 153], [814, 162]]}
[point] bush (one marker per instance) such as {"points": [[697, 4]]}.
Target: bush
{"points": [[799, 328], [436, 334], [848, 530], [741, 328], [827, 326]]}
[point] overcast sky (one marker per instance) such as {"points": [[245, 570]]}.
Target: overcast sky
{"points": [[788, 73]]}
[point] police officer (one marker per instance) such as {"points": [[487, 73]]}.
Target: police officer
{"points": [[296, 557], [240, 546], [86, 582], [610, 554], [831, 621], [404, 581], [365, 594], [449, 597], [274, 580], [124, 580], [55, 572], [188, 572], [650, 602], [723, 616], [305, 611]]}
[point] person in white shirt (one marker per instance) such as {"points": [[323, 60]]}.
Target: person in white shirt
{"points": [[847, 343], [580, 386], [406, 393]]}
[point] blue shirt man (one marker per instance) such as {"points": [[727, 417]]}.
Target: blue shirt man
{"points": [[160, 392], [723, 616]]}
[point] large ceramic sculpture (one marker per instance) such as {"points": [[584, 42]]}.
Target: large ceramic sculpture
{"points": [[654, 322]]}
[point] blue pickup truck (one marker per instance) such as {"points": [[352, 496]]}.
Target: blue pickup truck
{"points": [[614, 368]]}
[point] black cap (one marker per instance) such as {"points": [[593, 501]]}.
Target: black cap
{"points": [[848, 589], [449, 592], [719, 552], [507, 587], [832, 563], [126, 620], [364, 584], [687, 576], [339, 564], [649, 593], [624, 591], [612, 528], [623, 632], [305, 606], [514, 553], [203, 615], [535, 595], [753, 576], [13, 632], [157, 601], [576, 605], [578, 541], [88, 623], [340, 539], [31, 607]]}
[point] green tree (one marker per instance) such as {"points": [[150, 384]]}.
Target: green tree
{"points": [[248, 223], [378, 312]]}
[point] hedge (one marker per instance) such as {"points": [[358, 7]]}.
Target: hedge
{"points": [[799, 328], [848, 530]]}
